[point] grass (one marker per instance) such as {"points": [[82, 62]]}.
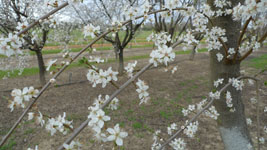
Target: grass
{"points": [[9, 145], [35, 70], [259, 62]]}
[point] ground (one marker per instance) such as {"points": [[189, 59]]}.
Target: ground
{"points": [[169, 94]]}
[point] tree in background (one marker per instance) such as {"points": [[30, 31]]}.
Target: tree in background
{"points": [[16, 15], [107, 13]]}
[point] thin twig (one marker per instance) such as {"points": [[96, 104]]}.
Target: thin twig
{"points": [[251, 49], [196, 116], [65, 66], [117, 92], [241, 37], [42, 18]]}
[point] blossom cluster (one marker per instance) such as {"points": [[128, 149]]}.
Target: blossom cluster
{"points": [[163, 54], [142, 91], [58, 124], [97, 120], [237, 84], [113, 105], [91, 30], [20, 96], [101, 76], [11, 45], [159, 39], [212, 113], [130, 68], [178, 144], [191, 129], [249, 9]]}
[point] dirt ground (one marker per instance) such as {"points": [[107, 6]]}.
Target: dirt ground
{"points": [[169, 93]]}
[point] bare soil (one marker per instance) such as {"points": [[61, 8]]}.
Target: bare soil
{"points": [[169, 93]]}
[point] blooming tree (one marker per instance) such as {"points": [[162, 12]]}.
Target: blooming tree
{"points": [[16, 16], [227, 50]]}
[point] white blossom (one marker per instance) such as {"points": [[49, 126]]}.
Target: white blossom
{"points": [[249, 121], [178, 144], [236, 83], [218, 82], [90, 30], [50, 63], [116, 135], [219, 57], [229, 99], [142, 91], [73, 146], [191, 129]]}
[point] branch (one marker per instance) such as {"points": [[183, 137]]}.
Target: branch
{"points": [[196, 116], [65, 66], [85, 123], [42, 18], [251, 49], [117, 92], [241, 36]]}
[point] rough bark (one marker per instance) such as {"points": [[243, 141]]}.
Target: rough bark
{"points": [[41, 67], [121, 64], [232, 125]]}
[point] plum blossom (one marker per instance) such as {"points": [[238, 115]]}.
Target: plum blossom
{"points": [[236, 83], [96, 59], [249, 121], [229, 99], [218, 82], [100, 76], [30, 115], [97, 120], [90, 30], [142, 91], [58, 124], [215, 95], [172, 127], [40, 119], [191, 129], [178, 144], [20, 96], [219, 57], [73, 146], [11, 45], [116, 135], [212, 113], [130, 68], [114, 104], [160, 39], [174, 69], [164, 55], [50, 64]]}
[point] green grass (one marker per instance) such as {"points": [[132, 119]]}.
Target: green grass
{"points": [[9, 145], [29, 131], [259, 62], [35, 70], [137, 125]]}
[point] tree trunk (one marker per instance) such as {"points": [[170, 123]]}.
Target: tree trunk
{"points": [[232, 125], [121, 65], [41, 67], [192, 56]]}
